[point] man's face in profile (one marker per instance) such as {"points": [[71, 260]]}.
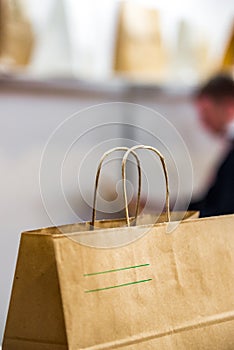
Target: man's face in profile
{"points": [[213, 114]]}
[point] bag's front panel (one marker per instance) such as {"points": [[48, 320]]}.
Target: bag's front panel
{"points": [[159, 285]]}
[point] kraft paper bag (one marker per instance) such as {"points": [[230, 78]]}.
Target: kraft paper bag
{"points": [[162, 291], [125, 287], [140, 53]]}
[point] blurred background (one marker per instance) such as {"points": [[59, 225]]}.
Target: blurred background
{"points": [[58, 57], [138, 40]]}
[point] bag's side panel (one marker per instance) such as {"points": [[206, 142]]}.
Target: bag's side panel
{"points": [[35, 317], [160, 284], [18, 344]]}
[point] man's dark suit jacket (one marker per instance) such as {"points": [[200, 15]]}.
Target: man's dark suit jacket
{"points": [[219, 200]]}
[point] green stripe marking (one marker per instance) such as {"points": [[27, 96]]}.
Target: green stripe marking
{"points": [[115, 270], [117, 286]]}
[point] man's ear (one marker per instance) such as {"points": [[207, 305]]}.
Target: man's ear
{"points": [[230, 109]]}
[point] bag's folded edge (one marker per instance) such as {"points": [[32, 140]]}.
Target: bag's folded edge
{"points": [[116, 344]]}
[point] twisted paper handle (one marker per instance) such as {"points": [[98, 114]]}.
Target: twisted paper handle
{"points": [[125, 157], [105, 155]]}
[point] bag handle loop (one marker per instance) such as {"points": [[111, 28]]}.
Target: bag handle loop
{"points": [[125, 157], [105, 155]]}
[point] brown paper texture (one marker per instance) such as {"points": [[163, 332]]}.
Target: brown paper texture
{"points": [[162, 291]]}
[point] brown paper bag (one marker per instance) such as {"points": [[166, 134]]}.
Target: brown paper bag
{"points": [[16, 35], [159, 291], [140, 53]]}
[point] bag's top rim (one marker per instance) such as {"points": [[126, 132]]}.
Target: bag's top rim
{"points": [[59, 234], [183, 215]]}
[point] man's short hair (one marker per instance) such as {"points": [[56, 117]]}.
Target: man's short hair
{"points": [[219, 87]]}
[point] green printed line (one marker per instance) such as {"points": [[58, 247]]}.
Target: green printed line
{"points": [[117, 286], [115, 270]]}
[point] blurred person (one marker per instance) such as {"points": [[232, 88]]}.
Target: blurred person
{"points": [[215, 105]]}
